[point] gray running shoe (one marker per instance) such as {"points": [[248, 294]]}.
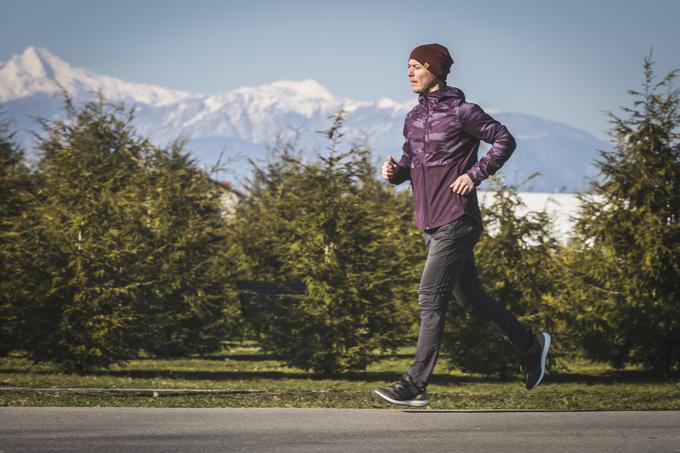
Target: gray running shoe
{"points": [[534, 360], [404, 392]]}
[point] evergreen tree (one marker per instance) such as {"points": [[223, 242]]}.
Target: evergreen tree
{"points": [[120, 250], [627, 237], [16, 187], [87, 239], [331, 225], [185, 312]]}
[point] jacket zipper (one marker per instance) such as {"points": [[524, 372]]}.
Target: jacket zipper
{"points": [[427, 145]]}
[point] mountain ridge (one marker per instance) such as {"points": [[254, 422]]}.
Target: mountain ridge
{"points": [[246, 119]]}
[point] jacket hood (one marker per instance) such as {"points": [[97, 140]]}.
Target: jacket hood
{"points": [[441, 94]]}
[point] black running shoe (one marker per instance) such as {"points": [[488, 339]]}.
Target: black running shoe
{"points": [[534, 360], [404, 392]]}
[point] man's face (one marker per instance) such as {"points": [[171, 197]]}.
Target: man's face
{"points": [[422, 80]]}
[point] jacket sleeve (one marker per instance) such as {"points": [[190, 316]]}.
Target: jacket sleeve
{"points": [[404, 169], [478, 123]]}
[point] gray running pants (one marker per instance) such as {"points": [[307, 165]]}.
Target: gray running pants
{"points": [[450, 268]]}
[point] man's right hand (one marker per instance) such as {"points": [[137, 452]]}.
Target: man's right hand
{"points": [[389, 167]]}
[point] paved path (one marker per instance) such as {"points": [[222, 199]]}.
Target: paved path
{"points": [[338, 430]]}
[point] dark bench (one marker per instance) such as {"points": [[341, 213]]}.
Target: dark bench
{"points": [[261, 301]]}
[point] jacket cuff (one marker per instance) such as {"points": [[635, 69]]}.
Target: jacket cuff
{"points": [[399, 176], [474, 176]]}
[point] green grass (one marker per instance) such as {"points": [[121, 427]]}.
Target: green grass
{"points": [[246, 377]]}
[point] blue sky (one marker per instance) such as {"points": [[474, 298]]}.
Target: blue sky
{"points": [[567, 61]]}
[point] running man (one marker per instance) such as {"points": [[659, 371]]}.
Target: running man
{"points": [[442, 136]]}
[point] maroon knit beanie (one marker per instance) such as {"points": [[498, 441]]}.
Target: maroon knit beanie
{"points": [[435, 58]]}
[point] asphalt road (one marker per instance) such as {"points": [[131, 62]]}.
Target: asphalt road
{"points": [[342, 430]]}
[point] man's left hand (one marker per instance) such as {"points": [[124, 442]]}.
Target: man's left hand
{"points": [[463, 185]]}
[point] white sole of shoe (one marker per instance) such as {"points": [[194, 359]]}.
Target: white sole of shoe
{"points": [[544, 354], [411, 403]]}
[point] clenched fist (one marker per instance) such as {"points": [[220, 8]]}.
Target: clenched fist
{"points": [[389, 167]]}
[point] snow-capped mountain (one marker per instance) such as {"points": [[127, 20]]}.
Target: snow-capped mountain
{"points": [[244, 122], [36, 70]]}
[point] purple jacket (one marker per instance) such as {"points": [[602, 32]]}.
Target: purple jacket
{"points": [[442, 137]]}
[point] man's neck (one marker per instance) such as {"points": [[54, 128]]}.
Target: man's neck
{"points": [[436, 87]]}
